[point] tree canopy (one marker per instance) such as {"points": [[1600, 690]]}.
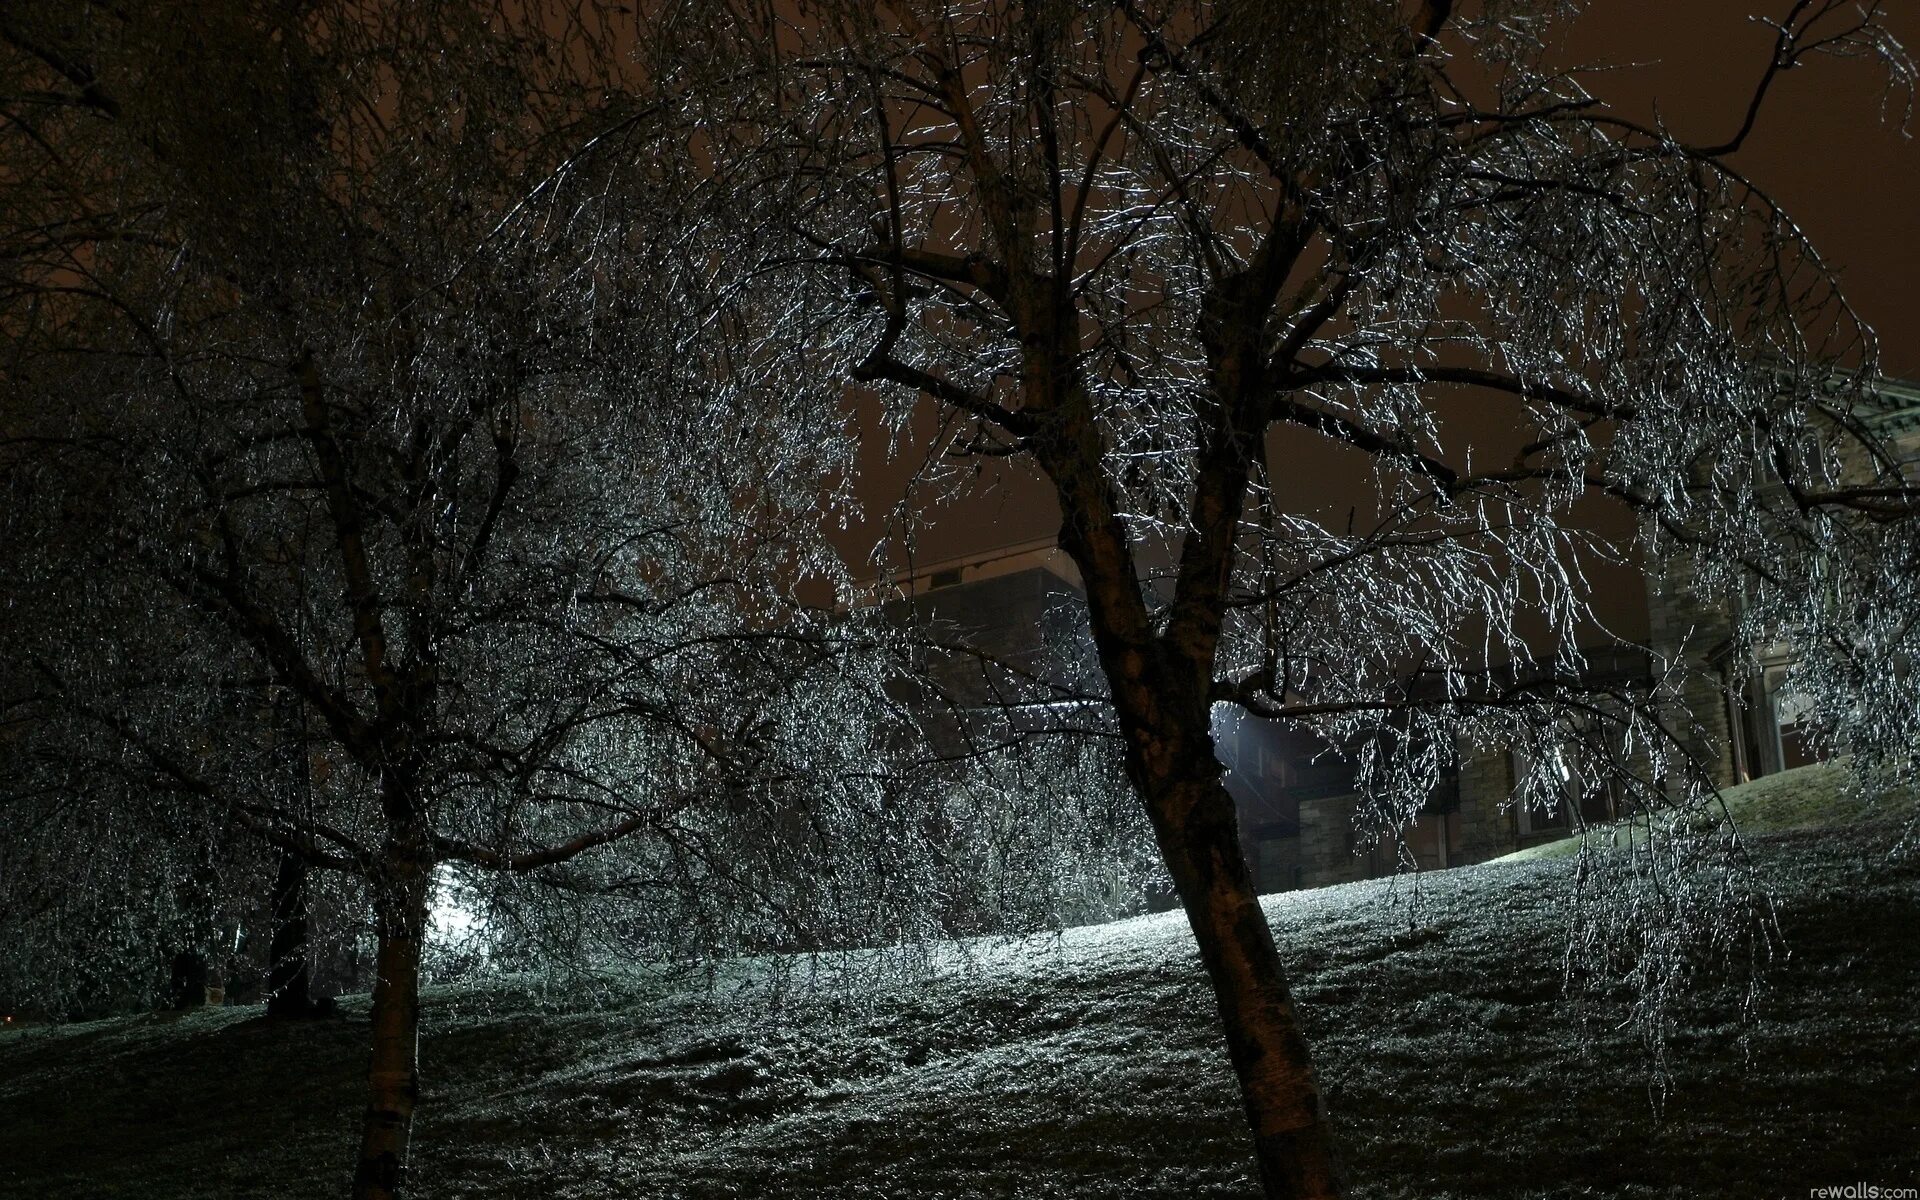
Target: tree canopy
{"points": [[468, 379], [379, 501], [1162, 252]]}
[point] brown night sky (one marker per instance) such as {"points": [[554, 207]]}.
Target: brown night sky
{"points": [[1826, 148]]}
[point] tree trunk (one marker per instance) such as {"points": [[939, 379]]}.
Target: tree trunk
{"points": [[289, 978], [1161, 695], [394, 1073], [1196, 825]]}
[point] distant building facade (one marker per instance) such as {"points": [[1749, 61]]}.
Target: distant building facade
{"points": [[1744, 725], [1024, 605]]}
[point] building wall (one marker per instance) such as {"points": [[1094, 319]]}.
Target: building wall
{"points": [[1327, 843], [1691, 630], [1275, 863], [1332, 850], [1737, 734], [1485, 821]]}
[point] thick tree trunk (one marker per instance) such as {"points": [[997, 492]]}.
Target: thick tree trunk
{"points": [[394, 1075], [1161, 695], [1196, 825], [289, 977]]}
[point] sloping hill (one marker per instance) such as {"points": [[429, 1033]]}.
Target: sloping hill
{"points": [[1811, 797], [1077, 1066]]}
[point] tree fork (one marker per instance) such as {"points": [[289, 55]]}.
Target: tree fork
{"points": [[1171, 762]]}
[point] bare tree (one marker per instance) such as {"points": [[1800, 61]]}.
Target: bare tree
{"points": [[392, 505], [352, 429], [1162, 251]]}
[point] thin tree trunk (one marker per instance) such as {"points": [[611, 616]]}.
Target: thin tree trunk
{"points": [[394, 1075], [1196, 825], [289, 977]]}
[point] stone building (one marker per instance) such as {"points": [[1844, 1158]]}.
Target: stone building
{"points": [[1469, 818], [1741, 725], [1024, 605], [1020, 606]]}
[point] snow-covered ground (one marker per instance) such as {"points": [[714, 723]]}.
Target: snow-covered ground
{"points": [[1083, 1065]]}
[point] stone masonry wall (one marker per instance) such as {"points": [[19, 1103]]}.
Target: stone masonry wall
{"points": [[1485, 823], [1326, 842], [1685, 627]]}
